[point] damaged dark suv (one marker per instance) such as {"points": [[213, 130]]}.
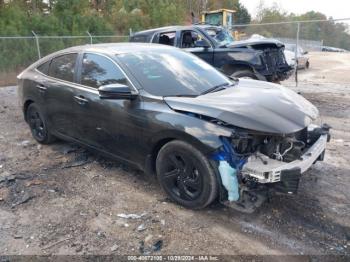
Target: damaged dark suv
{"points": [[205, 135], [261, 59]]}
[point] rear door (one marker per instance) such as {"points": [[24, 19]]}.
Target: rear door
{"points": [[36, 87], [59, 92]]}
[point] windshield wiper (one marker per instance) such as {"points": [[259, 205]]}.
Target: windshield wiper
{"points": [[235, 79], [216, 88], [181, 96]]}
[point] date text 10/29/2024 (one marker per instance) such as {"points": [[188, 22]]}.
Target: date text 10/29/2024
{"points": [[173, 258]]}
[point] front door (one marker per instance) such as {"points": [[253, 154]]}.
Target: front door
{"points": [[108, 125], [192, 41]]}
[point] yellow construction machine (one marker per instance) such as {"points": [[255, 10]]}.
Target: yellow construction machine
{"points": [[221, 17]]}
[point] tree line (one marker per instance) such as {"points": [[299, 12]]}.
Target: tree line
{"points": [[330, 33], [108, 17], [116, 17], [75, 17]]}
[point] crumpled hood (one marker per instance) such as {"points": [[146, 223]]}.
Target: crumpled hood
{"points": [[254, 105], [252, 42]]}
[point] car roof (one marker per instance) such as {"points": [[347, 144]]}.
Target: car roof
{"points": [[108, 49], [175, 28], [116, 48]]}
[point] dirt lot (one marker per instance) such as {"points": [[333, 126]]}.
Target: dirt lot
{"points": [[60, 199]]}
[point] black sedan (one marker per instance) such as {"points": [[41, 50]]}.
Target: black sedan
{"points": [[205, 135]]}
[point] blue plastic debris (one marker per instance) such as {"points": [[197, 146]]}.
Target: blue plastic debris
{"points": [[229, 164], [228, 154], [229, 180]]}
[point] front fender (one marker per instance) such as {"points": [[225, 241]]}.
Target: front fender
{"points": [[204, 135], [173, 125]]}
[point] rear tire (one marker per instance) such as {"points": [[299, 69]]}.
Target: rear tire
{"points": [[38, 125], [186, 175], [247, 74]]}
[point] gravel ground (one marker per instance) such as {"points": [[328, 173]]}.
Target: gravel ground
{"points": [[61, 199]]}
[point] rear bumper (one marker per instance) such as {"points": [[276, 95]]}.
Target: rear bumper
{"points": [[266, 170]]}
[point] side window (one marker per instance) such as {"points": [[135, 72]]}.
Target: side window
{"points": [[62, 67], [44, 68], [98, 71], [190, 39], [167, 38]]}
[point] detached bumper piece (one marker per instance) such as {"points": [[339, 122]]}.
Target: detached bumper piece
{"points": [[249, 201]]}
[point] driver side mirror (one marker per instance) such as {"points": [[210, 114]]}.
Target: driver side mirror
{"points": [[305, 52], [202, 43], [116, 91]]}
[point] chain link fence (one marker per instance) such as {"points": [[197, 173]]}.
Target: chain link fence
{"points": [[326, 41], [19, 52], [309, 34], [317, 49]]}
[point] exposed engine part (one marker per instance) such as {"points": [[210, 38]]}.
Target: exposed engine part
{"points": [[280, 156], [314, 132], [285, 149], [245, 144], [271, 172]]}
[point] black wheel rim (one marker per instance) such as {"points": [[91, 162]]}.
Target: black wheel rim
{"points": [[181, 176], [36, 125]]}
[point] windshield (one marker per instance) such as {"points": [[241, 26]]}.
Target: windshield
{"points": [[221, 35], [172, 72]]}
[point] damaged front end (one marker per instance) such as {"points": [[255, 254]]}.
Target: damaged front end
{"points": [[254, 166], [272, 139]]}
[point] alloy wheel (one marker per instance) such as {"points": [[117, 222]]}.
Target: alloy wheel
{"points": [[182, 177], [36, 124]]}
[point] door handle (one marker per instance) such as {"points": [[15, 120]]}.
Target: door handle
{"points": [[41, 88], [81, 100]]}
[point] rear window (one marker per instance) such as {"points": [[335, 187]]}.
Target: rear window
{"points": [[62, 67], [44, 68]]}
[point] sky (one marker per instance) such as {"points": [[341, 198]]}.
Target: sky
{"points": [[334, 8]]}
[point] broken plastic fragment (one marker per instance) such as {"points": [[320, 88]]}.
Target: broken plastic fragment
{"points": [[141, 227], [131, 216], [157, 245], [228, 154], [229, 180], [229, 163]]}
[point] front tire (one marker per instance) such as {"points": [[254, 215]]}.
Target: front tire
{"points": [[38, 125], [186, 175]]}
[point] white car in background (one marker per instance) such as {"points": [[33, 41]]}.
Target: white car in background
{"points": [[302, 60]]}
